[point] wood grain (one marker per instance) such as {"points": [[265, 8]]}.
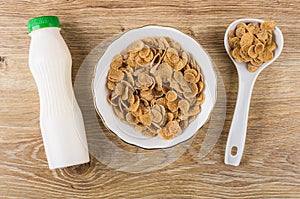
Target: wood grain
{"points": [[270, 167]]}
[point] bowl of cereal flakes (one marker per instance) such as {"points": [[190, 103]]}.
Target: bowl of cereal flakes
{"points": [[154, 87]]}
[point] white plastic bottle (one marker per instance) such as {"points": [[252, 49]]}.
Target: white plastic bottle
{"points": [[61, 120]]}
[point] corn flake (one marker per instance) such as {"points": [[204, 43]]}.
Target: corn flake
{"points": [[268, 25], [171, 96]]}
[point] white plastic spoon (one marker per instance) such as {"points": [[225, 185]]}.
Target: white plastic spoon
{"points": [[237, 133]]}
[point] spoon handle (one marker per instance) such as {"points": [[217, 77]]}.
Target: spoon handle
{"points": [[237, 133]]}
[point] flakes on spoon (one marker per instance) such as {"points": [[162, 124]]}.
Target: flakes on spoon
{"points": [[252, 43]]}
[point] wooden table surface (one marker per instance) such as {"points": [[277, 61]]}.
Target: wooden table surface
{"points": [[270, 166]]}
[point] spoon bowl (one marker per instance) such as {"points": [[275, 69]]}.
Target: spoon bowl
{"points": [[237, 133]]}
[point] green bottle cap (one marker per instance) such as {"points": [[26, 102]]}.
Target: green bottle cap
{"points": [[42, 22]]}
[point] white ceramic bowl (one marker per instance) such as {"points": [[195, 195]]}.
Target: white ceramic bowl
{"points": [[125, 131]]}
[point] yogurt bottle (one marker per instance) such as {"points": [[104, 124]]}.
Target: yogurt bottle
{"points": [[61, 120]]}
